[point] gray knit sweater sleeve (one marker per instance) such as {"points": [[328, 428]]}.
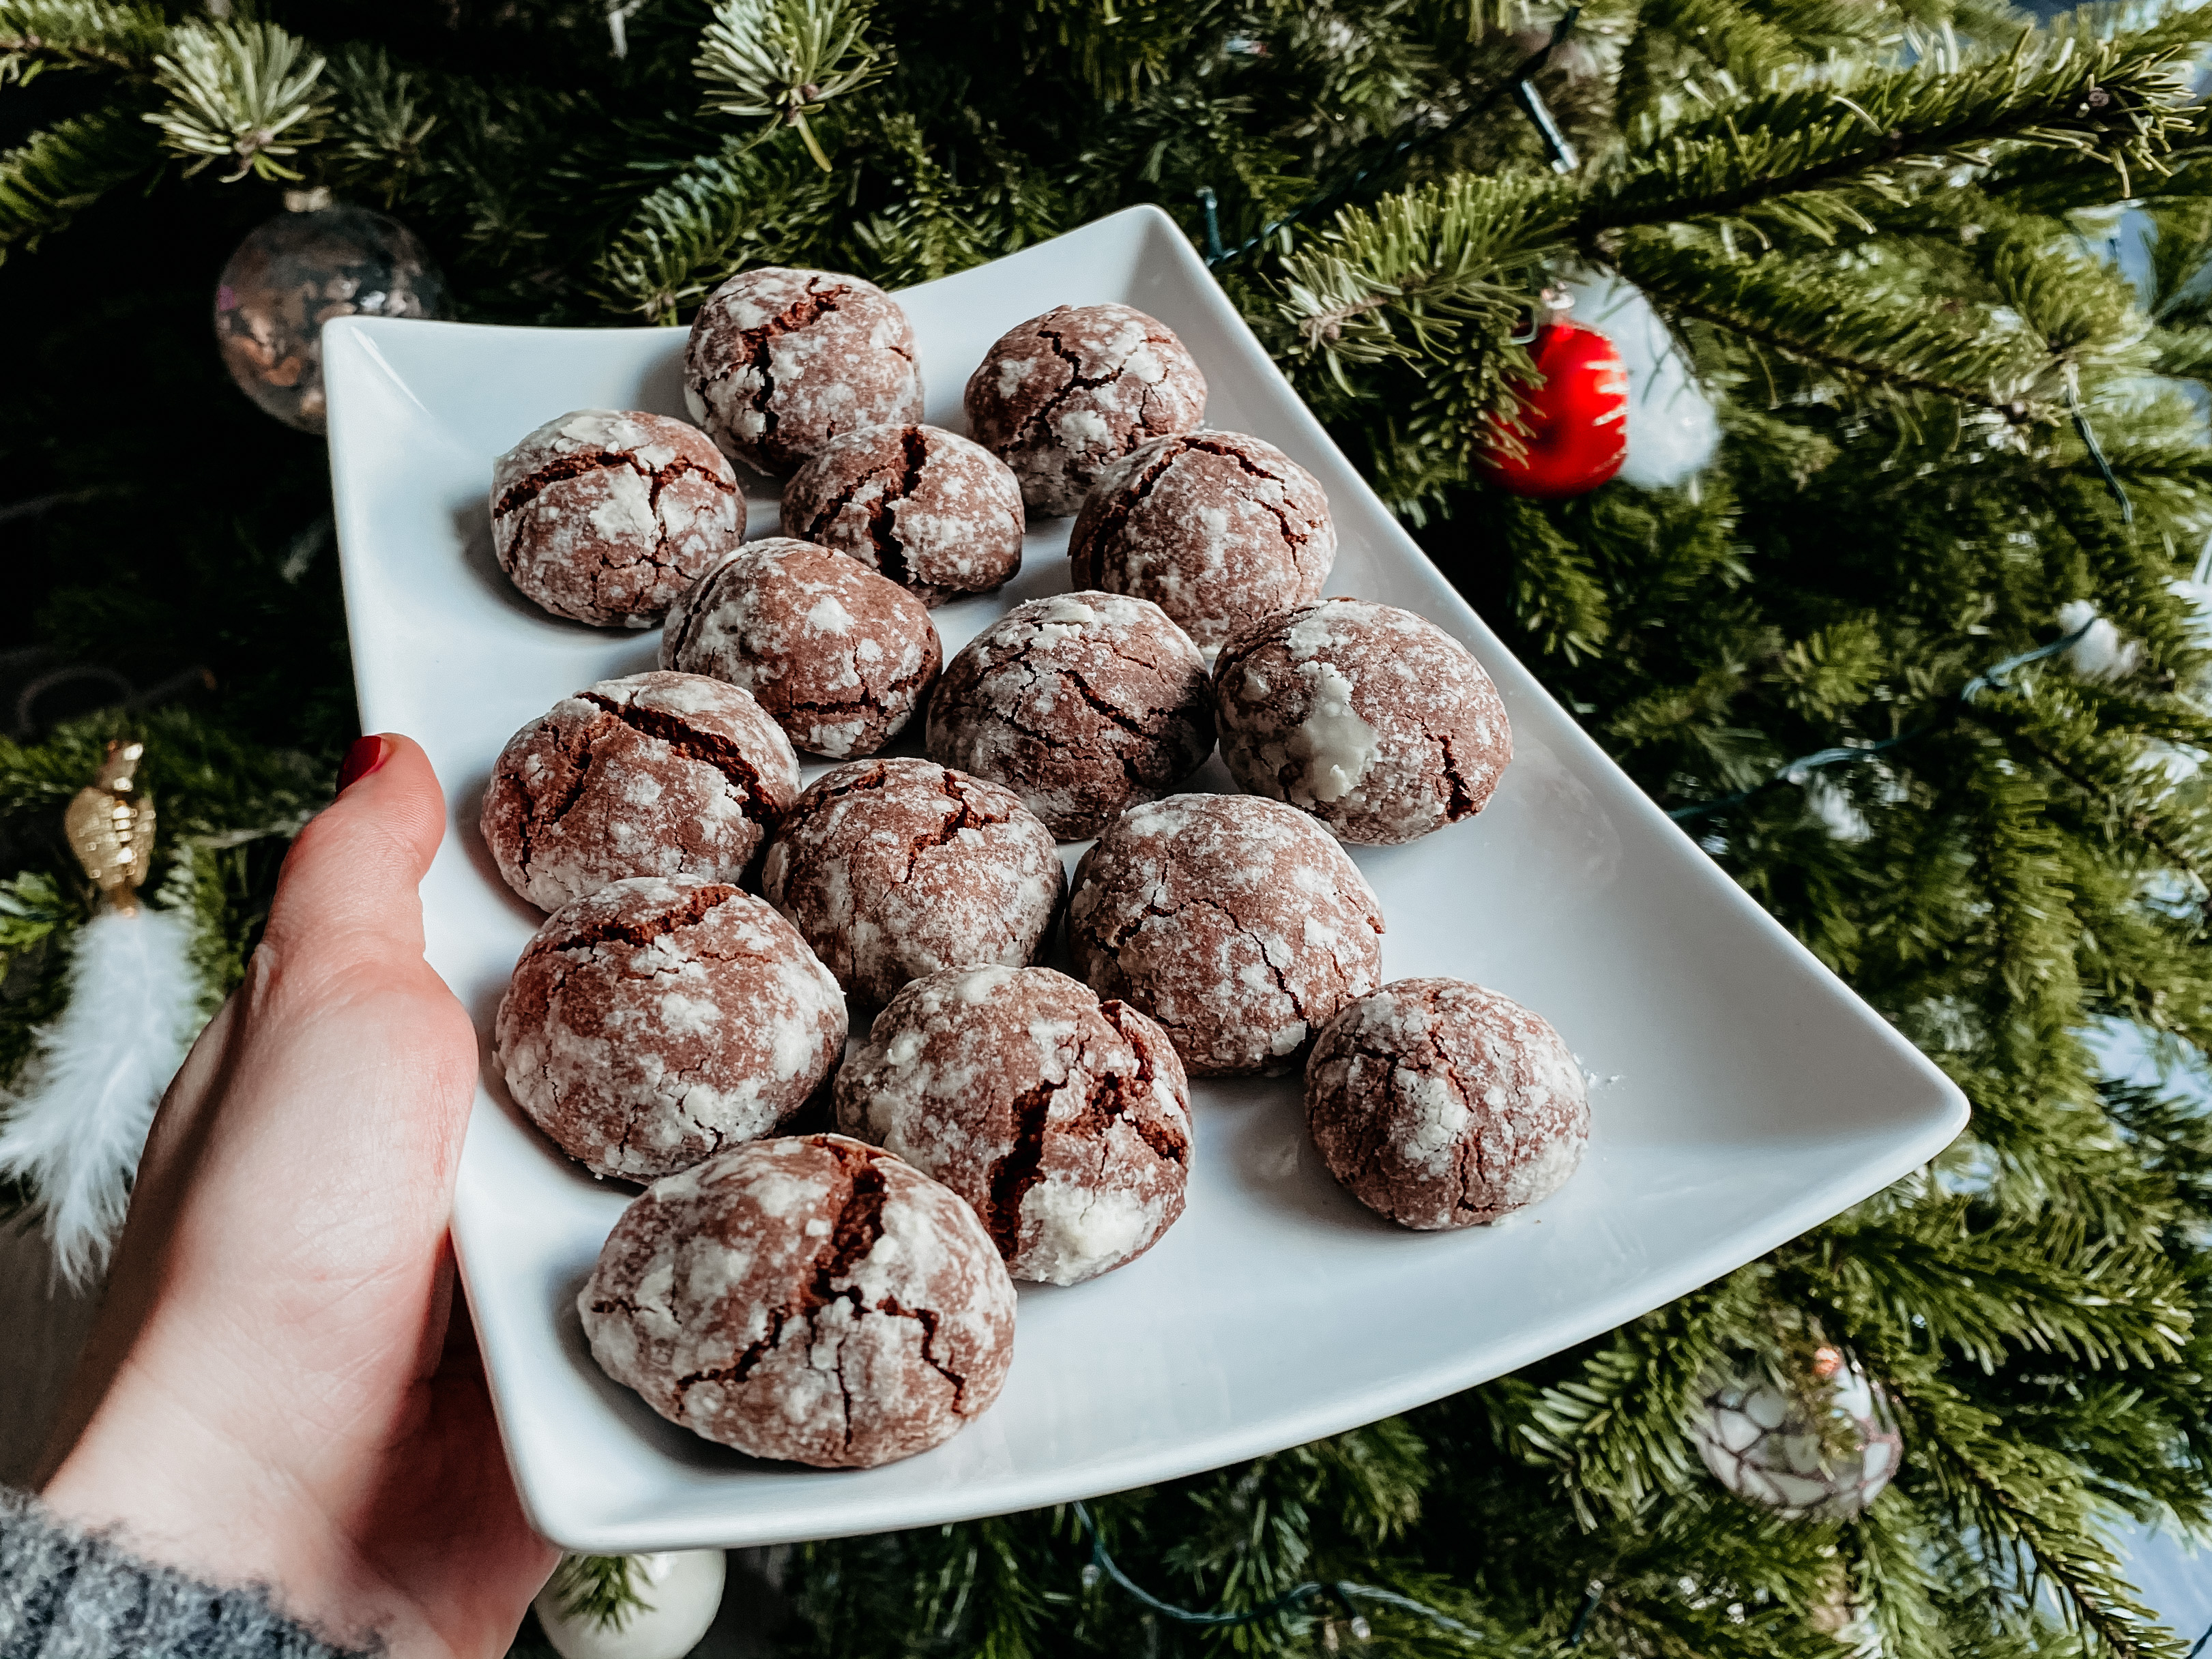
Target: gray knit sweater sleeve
{"points": [[69, 1594]]}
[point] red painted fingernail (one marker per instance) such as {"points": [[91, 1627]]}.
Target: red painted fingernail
{"points": [[364, 757]]}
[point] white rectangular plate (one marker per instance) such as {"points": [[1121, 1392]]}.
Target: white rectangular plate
{"points": [[1745, 1094]]}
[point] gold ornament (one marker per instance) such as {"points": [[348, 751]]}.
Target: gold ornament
{"points": [[110, 826]]}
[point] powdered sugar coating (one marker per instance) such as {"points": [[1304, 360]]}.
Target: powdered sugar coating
{"points": [[894, 868], [1439, 1105], [655, 774], [659, 1020], [1219, 529], [1080, 703], [1372, 719], [839, 656], [809, 1299], [1064, 1122], [935, 512], [604, 516], [1065, 393], [1236, 922], [781, 361]]}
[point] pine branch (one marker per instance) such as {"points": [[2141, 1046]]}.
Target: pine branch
{"points": [[1704, 48], [1120, 47], [58, 173], [1556, 594], [935, 225], [779, 58], [2185, 354], [1614, 1425], [747, 206], [2143, 822], [242, 90], [1865, 338], [381, 121], [1438, 263], [1962, 1445], [603, 1588], [1793, 156], [1992, 1289], [77, 34]]}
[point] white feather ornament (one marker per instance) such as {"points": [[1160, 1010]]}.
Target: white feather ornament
{"points": [[99, 1069]]}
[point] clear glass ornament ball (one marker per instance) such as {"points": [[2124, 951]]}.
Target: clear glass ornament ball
{"points": [[1821, 1449], [293, 274]]}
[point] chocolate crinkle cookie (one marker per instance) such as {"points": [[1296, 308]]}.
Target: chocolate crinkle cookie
{"points": [[1439, 1105], [936, 513], [839, 656], [605, 516], [1219, 529], [1063, 1121], [661, 1019], [780, 362], [810, 1298], [1372, 719], [1066, 393], [890, 869], [1236, 922], [1080, 703], [657, 774]]}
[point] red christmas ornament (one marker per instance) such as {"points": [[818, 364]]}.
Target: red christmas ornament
{"points": [[1573, 428]]}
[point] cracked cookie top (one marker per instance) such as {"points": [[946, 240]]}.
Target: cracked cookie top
{"points": [[1372, 719], [661, 1019], [781, 361], [1062, 395], [936, 513], [1063, 1121], [656, 774], [839, 656], [810, 1298], [1080, 703], [1439, 1103], [894, 868], [1234, 921], [1219, 529], [604, 516]]}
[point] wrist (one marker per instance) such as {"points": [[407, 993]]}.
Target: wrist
{"points": [[188, 1489]]}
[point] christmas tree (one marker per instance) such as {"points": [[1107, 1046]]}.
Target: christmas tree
{"points": [[1877, 241]]}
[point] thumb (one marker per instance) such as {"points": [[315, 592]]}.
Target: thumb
{"points": [[347, 890]]}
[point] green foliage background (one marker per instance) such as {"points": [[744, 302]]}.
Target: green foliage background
{"points": [[1877, 228]]}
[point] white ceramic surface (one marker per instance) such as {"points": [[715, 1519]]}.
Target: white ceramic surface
{"points": [[1744, 1093]]}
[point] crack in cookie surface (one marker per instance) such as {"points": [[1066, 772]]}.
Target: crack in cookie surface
{"points": [[810, 1298], [575, 464], [755, 347], [709, 747], [614, 929]]}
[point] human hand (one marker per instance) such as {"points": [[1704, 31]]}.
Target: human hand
{"points": [[276, 1390]]}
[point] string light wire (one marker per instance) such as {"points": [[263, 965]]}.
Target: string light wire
{"points": [[1993, 676], [1102, 1563], [1345, 1593], [2088, 436], [1418, 134]]}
